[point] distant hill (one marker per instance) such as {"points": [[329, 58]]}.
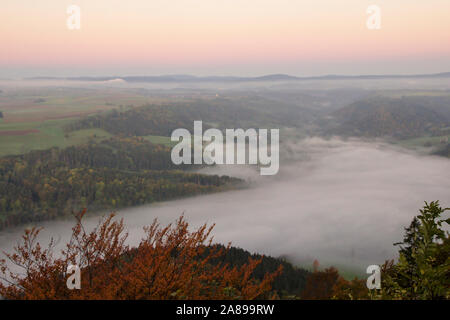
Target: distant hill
{"points": [[161, 120], [404, 117], [177, 78], [270, 77]]}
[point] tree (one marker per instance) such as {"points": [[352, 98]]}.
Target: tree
{"points": [[320, 284], [423, 269], [169, 263], [328, 284], [355, 289]]}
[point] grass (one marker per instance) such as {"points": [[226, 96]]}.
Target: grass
{"points": [[41, 104], [160, 140], [80, 136], [51, 134], [49, 110], [426, 141]]}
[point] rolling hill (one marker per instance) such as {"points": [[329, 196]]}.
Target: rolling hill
{"points": [[404, 117]]}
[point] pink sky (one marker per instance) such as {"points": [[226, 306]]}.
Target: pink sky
{"points": [[243, 37]]}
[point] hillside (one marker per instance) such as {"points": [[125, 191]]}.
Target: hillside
{"points": [[117, 173], [162, 119], [402, 118]]}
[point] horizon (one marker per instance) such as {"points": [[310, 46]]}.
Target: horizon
{"points": [[235, 76]]}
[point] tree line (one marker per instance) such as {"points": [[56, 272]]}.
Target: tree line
{"points": [[117, 173], [154, 119]]}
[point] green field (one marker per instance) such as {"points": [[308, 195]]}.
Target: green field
{"points": [[160, 140], [31, 104], [34, 118], [421, 142], [51, 134]]}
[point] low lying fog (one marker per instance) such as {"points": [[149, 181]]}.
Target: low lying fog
{"points": [[343, 203]]}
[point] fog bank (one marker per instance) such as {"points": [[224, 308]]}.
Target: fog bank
{"points": [[343, 203]]}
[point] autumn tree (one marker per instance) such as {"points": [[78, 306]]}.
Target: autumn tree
{"points": [[319, 284], [169, 263], [328, 284]]}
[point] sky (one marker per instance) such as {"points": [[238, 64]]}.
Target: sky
{"points": [[218, 37]]}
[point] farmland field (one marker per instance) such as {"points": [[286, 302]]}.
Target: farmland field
{"points": [[160, 140], [34, 118], [23, 137]]}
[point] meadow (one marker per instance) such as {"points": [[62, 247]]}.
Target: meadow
{"points": [[35, 118]]}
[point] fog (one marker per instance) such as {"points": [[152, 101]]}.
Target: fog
{"points": [[281, 86], [343, 203]]}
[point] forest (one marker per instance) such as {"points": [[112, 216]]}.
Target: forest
{"points": [[174, 262], [399, 117], [162, 119], [119, 172]]}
